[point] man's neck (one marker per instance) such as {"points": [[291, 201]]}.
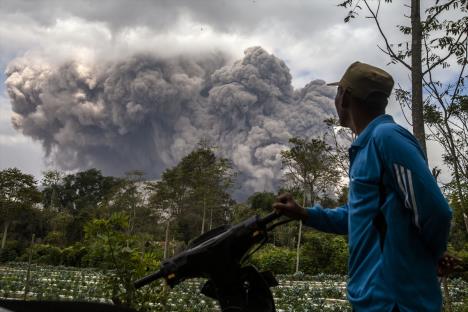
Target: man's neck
{"points": [[361, 120]]}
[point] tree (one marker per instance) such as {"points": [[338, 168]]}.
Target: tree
{"points": [[439, 42], [51, 182], [128, 196], [81, 194], [110, 241], [310, 166], [194, 192], [18, 192], [240, 212], [261, 201], [166, 199], [340, 138], [449, 127], [58, 223], [208, 178], [86, 189]]}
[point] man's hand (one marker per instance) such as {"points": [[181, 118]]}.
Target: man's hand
{"points": [[286, 205], [448, 264]]}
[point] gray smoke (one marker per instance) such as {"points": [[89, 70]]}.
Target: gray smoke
{"points": [[147, 112]]}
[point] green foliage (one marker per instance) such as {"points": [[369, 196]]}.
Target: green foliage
{"points": [[193, 195], [462, 254], [27, 221], [324, 253], [80, 194], [44, 254], [85, 189], [458, 231], [262, 201], [18, 193], [51, 189], [73, 255], [311, 166], [48, 254], [10, 252], [17, 189], [339, 138], [240, 212], [279, 260], [54, 237], [109, 241]]}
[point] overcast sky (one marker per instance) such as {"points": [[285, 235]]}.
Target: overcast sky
{"points": [[309, 36]]}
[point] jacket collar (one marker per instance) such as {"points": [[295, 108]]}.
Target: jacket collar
{"points": [[362, 138]]}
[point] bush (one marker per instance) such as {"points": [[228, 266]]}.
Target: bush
{"points": [[94, 259], [44, 254], [461, 254], [279, 260], [320, 253], [324, 253], [54, 238], [73, 255], [109, 242], [10, 252]]}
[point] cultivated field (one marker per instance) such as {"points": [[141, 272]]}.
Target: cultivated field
{"points": [[310, 293]]}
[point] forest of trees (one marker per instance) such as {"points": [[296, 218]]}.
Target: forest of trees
{"points": [[129, 224], [188, 200], [64, 212]]}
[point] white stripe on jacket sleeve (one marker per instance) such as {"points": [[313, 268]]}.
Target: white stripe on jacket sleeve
{"points": [[413, 198], [397, 173], [405, 183]]}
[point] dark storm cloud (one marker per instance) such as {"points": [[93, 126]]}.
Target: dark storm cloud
{"points": [[223, 15], [147, 112]]}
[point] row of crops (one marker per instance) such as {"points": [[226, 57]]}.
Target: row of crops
{"points": [[308, 293]]}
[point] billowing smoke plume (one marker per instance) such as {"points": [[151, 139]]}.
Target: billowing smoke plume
{"points": [[147, 112]]}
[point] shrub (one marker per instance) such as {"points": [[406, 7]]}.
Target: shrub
{"points": [[10, 252], [279, 260], [462, 254], [73, 255], [324, 253], [109, 241], [54, 238], [44, 254]]}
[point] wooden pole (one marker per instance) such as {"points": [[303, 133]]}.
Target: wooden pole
{"points": [[28, 273], [166, 240], [298, 249], [416, 75]]}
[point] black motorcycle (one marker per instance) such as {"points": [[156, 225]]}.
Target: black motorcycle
{"points": [[218, 255]]}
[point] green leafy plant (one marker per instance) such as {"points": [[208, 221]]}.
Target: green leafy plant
{"points": [[109, 241], [279, 260]]}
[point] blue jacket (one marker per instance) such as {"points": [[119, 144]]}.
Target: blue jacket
{"points": [[389, 173]]}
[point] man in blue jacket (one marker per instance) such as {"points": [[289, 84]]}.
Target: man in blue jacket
{"points": [[396, 218]]}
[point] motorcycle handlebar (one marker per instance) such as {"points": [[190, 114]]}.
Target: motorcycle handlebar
{"points": [[262, 222], [148, 279], [269, 218]]}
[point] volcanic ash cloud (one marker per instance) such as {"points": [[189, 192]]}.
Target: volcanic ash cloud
{"points": [[147, 112]]}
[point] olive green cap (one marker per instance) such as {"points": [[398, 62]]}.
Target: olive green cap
{"points": [[362, 79]]}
